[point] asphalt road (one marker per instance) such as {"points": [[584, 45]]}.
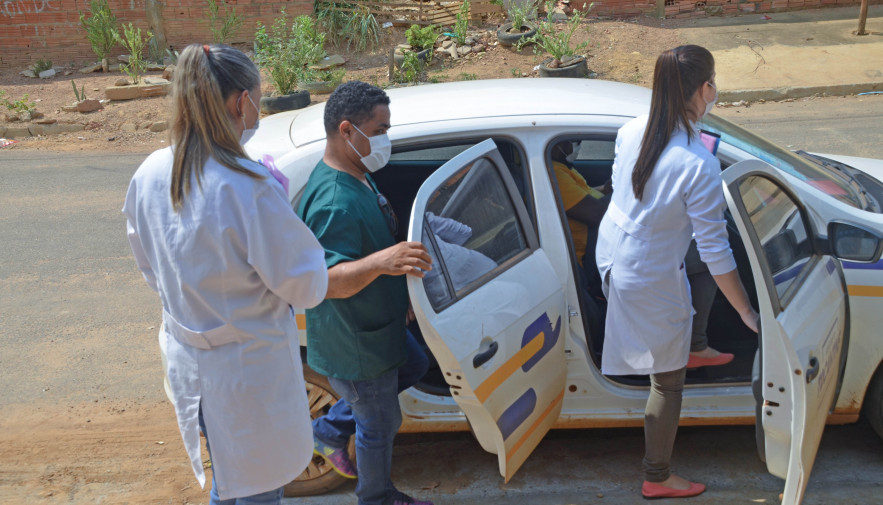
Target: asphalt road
{"points": [[77, 323]]}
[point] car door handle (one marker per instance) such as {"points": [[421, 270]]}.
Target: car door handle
{"points": [[813, 371], [483, 357]]}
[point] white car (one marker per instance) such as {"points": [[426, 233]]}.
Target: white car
{"points": [[518, 346]]}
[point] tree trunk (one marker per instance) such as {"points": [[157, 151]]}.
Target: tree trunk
{"points": [[157, 26], [862, 18]]}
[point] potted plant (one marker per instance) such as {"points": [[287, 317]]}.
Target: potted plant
{"points": [[421, 40], [322, 81], [284, 52], [519, 26], [564, 60]]}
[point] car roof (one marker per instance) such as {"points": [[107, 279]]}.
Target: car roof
{"points": [[493, 98]]}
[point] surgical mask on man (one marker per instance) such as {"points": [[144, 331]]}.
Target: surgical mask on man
{"points": [[709, 106], [248, 133], [381, 149]]}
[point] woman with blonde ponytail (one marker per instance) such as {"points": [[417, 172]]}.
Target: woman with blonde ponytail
{"points": [[667, 188], [215, 235]]}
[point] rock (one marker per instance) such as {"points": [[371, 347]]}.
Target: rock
{"points": [[123, 58], [469, 41], [54, 129], [46, 121], [35, 130], [91, 68], [11, 118], [111, 139], [159, 126], [17, 131], [168, 72], [441, 50], [478, 48], [128, 127], [2, 133], [121, 92], [90, 105], [453, 51], [446, 44], [403, 47], [122, 81], [558, 14], [68, 72], [69, 108], [152, 80], [463, 51], [28, 73], [25, 115], [143, 125], [155, 67], [36, 114], [48, 74], [147, 90], [335, 60]]}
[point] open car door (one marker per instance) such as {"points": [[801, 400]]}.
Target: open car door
{"points": [[804, 314], [491, 310]]}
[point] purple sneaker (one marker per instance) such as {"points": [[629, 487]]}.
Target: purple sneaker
{"points": [[403, 499], [337, 458]]}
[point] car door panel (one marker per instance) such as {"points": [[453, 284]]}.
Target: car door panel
{"points": [[803, 311], [497, 333]]}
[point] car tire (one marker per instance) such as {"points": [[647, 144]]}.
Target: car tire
{"points": [[873, 405], [319, 477], [292, 101], [578, 69], [507, 38]]}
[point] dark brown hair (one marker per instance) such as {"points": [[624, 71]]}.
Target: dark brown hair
{"points": [[679, 73], [201, 127]]}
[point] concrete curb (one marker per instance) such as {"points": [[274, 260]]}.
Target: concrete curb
{"points": [[784, 93]]}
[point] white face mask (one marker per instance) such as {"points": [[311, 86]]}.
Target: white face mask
{"points": [[248, 133], [381, 149], [709, 106]]}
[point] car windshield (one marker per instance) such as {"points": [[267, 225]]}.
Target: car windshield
{"points": [[830, 182]]}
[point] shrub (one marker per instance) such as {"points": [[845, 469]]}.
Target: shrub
{"points": [[356, 25], [410, 69], [101, 28], [42, 65], [223, 27], [20, 105], [285, 52], [462, 23], [81, 94], [557, 42], [135, 44], [519, 13], [421, 38]]}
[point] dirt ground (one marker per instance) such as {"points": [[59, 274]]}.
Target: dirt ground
{"points": [[619, 50], [129, 452]]}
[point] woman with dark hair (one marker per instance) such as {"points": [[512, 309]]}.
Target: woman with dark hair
{"points": [[667, 188], [215, 235]]}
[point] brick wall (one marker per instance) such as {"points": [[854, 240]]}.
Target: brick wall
{"points": [[32, 29]]}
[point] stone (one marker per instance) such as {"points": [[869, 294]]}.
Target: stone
{"points": [[121, 92], [2, 131], [28, 73], [478, 48], [469, 41], [144, 125], [123, 58], [168, 72], [446, 44], [154, 90], [54, 129], [25, 115], [151, 80], [335, 60], [155, 67], [122, 81], [69, 108], [558, 14], [68, 72], [151, 86], [159, 126], [46, 121], [453, 51], [48, 74], [17, 131], [11, 118], [36, 114], [90, 105], [91, 68], [441, 50], [128, 127], [463, 51], [35, 130]]}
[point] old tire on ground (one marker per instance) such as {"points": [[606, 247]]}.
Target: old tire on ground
{"points": [[291, 101], [578, 69], [873, 406], [399, 58], [507, 38], [319, 477], [318, 87]]}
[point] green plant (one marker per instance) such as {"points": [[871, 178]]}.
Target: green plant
{"points": [[468, 77], [173, 56], [554, 41], [20, 105], [154, 52], [362, 28], [101, 28], [421, 38], [334, 76], [518, 13], [332, 21], [285, 51], [134, 44], [410, 69], [515, 72], [80, 95], [42, 65], [462, 23], [223, 27]]}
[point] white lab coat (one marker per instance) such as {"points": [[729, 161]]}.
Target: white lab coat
{"points": [[642, 244], [226, 267]]}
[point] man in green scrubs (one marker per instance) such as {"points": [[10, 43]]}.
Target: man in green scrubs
{"points": [[357, 336]]}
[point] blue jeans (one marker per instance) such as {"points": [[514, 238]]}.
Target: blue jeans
{"points": [[370, 410], [273, 497]]}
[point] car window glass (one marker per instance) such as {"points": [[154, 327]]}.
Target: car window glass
{"points": [[472, 230], [595, 150], [779, 226]]}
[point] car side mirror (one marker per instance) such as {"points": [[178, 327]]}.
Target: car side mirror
{"points": [[852, 243]]}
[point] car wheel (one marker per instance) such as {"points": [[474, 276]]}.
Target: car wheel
{"points": [[319, 477], [873, 406]]}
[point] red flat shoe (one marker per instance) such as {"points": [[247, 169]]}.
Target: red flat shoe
{"points": [[654, 491], [721, 359]]}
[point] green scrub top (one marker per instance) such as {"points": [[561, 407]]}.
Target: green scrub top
{"points": [[363, 336]]}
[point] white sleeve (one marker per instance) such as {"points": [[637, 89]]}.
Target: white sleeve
{"points": [[284, 252], [135, 241], [705, 202]]}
